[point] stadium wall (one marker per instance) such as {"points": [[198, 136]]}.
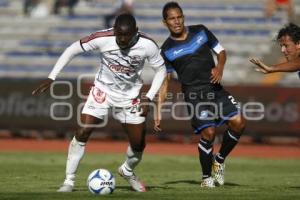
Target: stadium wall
{"points": [[19, 110]]}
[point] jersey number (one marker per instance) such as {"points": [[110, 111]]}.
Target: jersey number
{"points": [[232, 100]]}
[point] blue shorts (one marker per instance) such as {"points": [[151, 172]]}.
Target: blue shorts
{"points": [[210, 107]]}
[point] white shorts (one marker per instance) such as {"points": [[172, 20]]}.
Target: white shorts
{"points": [[123, 110]]}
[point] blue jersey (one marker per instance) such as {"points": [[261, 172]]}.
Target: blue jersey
{"points": [[191, 58]]}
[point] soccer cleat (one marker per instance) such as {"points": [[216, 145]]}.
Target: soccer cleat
{"points": [[219, 170], [207, 183], [66, 187], [133, 180]]}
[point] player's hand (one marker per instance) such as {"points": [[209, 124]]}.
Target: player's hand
{"points": [[216, 75], [42, 87], [261, 67], [157, 127], [144, 109]]}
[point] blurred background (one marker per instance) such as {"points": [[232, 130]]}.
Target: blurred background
{"points": [[35, 32]]}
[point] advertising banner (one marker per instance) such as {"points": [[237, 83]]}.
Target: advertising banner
{"points": [[268, 110]]}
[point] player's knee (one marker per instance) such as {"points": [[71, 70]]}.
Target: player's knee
{"points": [[238, 125], [83, 134], [208, 133]]}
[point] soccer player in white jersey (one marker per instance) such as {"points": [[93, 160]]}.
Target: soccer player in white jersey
{"points": [[117, 84]]}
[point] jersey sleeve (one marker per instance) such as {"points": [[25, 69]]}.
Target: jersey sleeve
{"points": [[89, 43], [169, 66], [65, 58], [213, 42], [153, 55], [95, 40]]}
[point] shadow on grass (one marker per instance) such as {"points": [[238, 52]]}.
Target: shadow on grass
{"points": [[148, 188], [192, 182], [294, 187], [232, 184], [184, 181], [122, 188]]}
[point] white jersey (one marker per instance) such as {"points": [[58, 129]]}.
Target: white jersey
{"points": [[120, 71]]}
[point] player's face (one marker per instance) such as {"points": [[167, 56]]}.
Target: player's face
{"points": [[124, 36], [175, 21], [289, 48]]}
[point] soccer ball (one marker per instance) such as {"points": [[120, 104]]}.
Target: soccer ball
{"points": [[101, 181]]}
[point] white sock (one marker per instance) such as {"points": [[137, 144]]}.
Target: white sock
{"points": [[75, 154], [132, 160]]}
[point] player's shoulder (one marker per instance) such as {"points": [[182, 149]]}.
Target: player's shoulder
{"points": [[147, 39], [166, 44], [98, 34], [197, 27]]}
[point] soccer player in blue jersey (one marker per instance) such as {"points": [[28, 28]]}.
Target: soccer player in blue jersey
{"points": [[288, 38], [188, 51]]}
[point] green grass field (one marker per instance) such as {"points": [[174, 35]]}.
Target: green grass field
{"points": [[38, 175]]}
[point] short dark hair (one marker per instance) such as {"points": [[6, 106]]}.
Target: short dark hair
{"points": [[125, 19], [170, 5], [291, 30]]}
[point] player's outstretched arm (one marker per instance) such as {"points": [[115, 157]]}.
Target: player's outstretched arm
{"points": [[43, 86], [289, 66], [63, 60], [260, 66]]}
